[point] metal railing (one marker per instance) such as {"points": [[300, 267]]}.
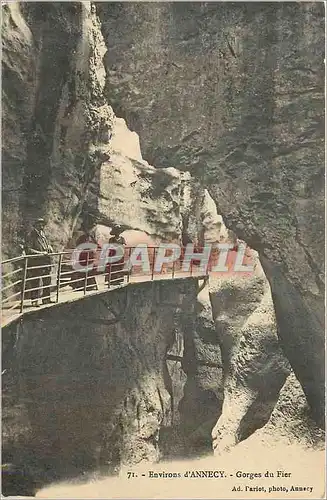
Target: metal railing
{"points": [[53, 277]]}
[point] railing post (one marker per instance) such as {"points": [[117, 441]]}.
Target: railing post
{"points": [[109, 276], [86, 272], [58, 277], [153, 263], [129, 258], [173, 270], [23, 285], [191, 268]]}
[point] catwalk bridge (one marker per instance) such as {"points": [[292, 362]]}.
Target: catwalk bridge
{"points": [[58, 280]]}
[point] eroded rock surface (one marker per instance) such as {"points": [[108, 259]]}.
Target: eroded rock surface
{"points": [[165, 204], [57, 122], [254, 366], [204, 389], [65, 154], [234, 93], [18, 95], [228, 100], [93, 378], [290, 423]]}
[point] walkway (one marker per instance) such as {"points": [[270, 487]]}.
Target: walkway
{"points": [[17, 280]]}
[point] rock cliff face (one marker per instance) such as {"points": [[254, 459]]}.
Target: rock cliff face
{"points": [[234, 93], [227, 100], [255, 368], [57, 122], [95, 400], [18, 94], [166, 204], [78, 401], [203, 396], [65, 153]]}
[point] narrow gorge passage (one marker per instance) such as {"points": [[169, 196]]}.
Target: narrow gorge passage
{"points": [[177, 123]]}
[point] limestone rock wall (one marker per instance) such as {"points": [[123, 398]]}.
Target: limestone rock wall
{"points": [[254, 366], [166, 204], [234, 93], [66, 156], [18, 96], [203, 395], [57, 122], [227, 100], [290, 421], [92, 377]]}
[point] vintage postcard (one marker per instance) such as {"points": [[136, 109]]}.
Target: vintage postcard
{"points": [[163, 234]]}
